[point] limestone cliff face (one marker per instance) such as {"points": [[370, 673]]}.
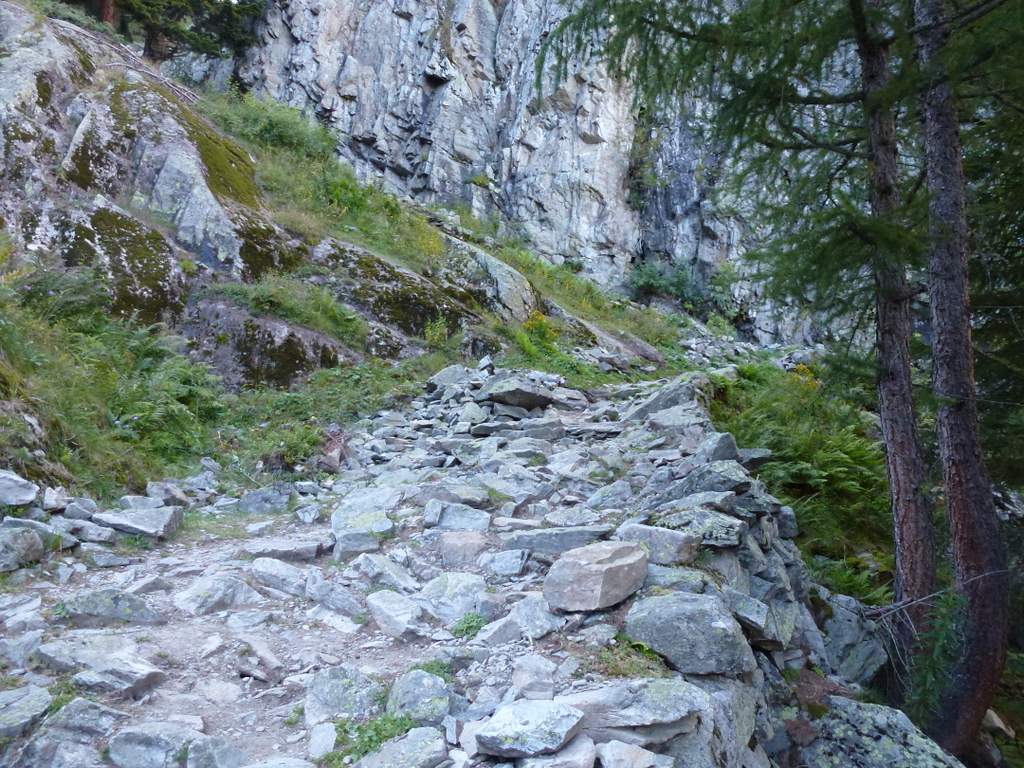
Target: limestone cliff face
{"points": [[439, 98]]}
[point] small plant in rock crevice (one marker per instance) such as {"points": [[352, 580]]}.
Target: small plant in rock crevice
{"points": [[469, 625], [356, 740]]}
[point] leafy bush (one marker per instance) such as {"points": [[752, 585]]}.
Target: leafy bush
{"points": [[118, 403], [436, 333], [469, 625], [293, 299], [647, 281], [826, 462], [269, 125]]}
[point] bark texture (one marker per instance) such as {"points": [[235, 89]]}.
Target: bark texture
{"points": [[976, 548], [912, 528]]}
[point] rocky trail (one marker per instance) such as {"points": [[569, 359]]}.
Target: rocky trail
{"points": [[506, 572]]}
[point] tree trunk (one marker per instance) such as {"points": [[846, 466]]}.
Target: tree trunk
{"points": [[912, 528], [158, 46], [976, 549], [108, 12]]}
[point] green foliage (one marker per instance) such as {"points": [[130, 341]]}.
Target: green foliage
{"points": [[647, 281], [626, 658], [63, 692], [436, 333], [437, 668], [356, 740], [291, 298], [469, 625], [119, 403], [295, 716], [534, 345], [719, 326], [283, 428], [584, 299], [1009, 703], [826, 463], [67, 12], [207, 26], [310, 191], [939, 647]]}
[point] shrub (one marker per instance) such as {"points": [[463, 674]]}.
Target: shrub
{"points": [[436, 333], [290, 298], [469, 625], [118, 403], [826, 464]]}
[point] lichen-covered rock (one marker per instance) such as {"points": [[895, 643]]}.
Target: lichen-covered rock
{"points": [[109, 606], [341, 692], [695, 633], [857, 735], [527, 728], [16, 491]]}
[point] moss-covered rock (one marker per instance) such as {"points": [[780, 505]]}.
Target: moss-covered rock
{"points": [[249, 349], [138, 263], [394, 296]]}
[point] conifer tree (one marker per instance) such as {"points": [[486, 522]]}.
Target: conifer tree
{"points": [[802, 101]]}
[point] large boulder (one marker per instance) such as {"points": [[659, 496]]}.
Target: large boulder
{"points": [[18, 547], [857, 735], [109, 606], [21, 708], [151, 745], [156, 523], [69, 737], [646, 712], [104, 663], [420, 695], [527, 728], [215, 592], [696, 634], [596, 576], [516, 390]]}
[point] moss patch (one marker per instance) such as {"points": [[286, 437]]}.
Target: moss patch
{"points": [[44, 90], [139, 263]]}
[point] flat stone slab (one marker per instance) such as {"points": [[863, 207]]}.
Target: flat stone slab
{"points": [[527, 728], [419, 748], [644, 711], [554, 541], [101, 662], [156, 523], [21, 708], [291, 550], [109, 606]]}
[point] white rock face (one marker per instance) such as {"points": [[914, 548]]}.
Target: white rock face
{"points": [[447, 109]]}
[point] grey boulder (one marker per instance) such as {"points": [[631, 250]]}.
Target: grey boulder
{"points": [[18, 547], [216, 592], [857, 735], [420, 695], [16, 491], [341, 692], [527, 728], [419, 748], [596, 576], [150, 745], [156, 523], [21, 708], [695, 633], [109, 606]]}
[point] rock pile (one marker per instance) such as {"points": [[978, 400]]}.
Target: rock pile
{"points": [[516, 572]]}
